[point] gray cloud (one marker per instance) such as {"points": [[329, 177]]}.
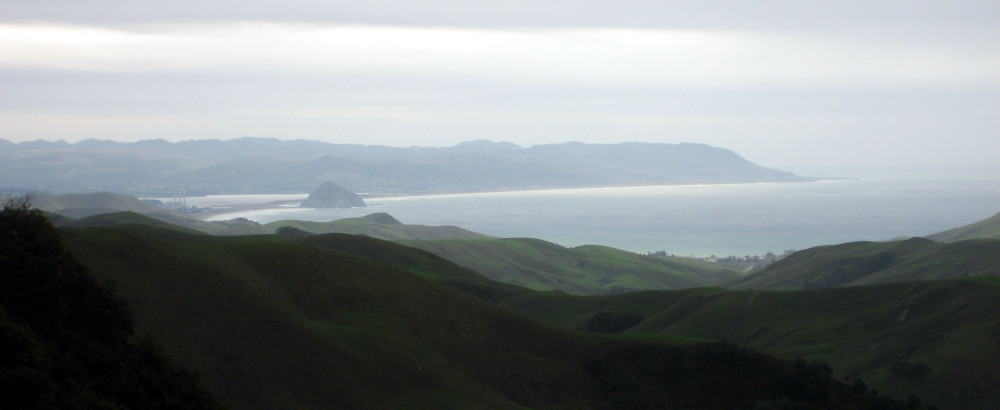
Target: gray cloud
{"points": [[813, 87], [724, 14]]}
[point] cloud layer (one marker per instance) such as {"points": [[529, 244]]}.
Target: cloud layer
{"points": [[809, 87]]}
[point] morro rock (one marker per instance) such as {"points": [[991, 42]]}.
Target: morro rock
{"points": [[330, 195]]}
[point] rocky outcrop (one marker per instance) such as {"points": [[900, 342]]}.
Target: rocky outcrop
{"points": [[330, 195]]}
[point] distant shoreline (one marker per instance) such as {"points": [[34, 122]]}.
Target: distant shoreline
{"points": [[209, 212]]}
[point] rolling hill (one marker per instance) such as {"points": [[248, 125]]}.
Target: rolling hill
{"points": [[937, 340], [109, 209], [125, 208], [272, 321], [530, 263], [986, 229], [590, 269], [118, 219], [244, 311], [379, 225], [867, 263], [83, 205]]}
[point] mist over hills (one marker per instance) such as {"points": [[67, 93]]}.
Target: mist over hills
{"points": [[261, 165]]}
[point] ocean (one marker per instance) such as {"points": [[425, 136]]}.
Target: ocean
{"points": [[688, 220]]}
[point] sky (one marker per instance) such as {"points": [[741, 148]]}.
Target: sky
{"points": [[820, 88]]}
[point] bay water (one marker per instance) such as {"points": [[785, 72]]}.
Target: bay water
{"points": [[687, 220]]}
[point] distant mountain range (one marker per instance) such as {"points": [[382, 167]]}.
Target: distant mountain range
{"points": [[261, 165]]}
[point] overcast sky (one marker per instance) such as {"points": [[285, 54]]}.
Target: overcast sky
{"points": [[834, 87]]}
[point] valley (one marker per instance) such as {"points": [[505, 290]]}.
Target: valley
{"points": [[440, 313]]}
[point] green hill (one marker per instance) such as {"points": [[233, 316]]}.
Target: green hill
{"points": [[335, 321], [306, 321], [92, 205], [529, 263], [937, 340], [378, 225], [542, 265], [986, 229], [866, 263], [120, 218], [123, 208], [82, 205]]}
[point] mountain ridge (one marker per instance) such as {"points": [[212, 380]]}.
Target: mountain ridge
{"points": [[261, 165]]}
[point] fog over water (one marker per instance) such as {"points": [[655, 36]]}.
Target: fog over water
{"points": [[699, 220]]}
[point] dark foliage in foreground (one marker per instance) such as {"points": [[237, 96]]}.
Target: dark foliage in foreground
{"points": [[611, 322], [65, 342], [722, 376]]}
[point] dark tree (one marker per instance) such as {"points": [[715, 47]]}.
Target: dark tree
{"points": [[65, 341]]}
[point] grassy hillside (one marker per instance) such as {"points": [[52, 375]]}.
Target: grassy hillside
{"points": [[367, 323], [378, 225], [311, 322], [81, 205], [117, 219], [937, 340], [866, 263], [529, 263], [542, 265], [109, 209], [121, 209], [986, 229]]}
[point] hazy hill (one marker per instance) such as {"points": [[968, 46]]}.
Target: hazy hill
{"points": [[591, 269], [83, 205], [257, 165], [119, 219], [306, 322], [986, 229], [866, 263], [108, 209], [531, 263], [378, 225], [78, 206], [937, 340]]}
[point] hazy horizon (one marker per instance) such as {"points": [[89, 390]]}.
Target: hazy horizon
{"points": [[816, 88], [972, 173]]}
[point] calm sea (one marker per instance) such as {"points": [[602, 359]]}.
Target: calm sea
{"points": [[698, 220]]}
